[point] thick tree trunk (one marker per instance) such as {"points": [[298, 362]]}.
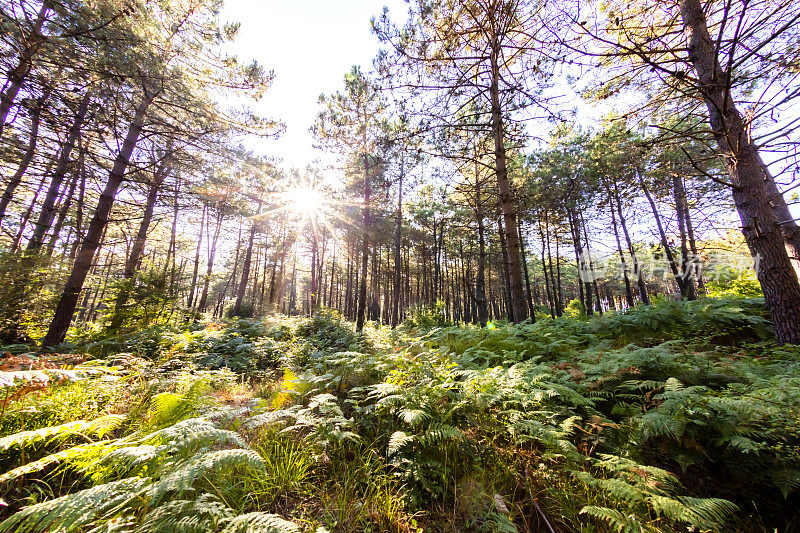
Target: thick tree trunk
{"points": [[83, 262], [520, 310], [30, 151], [762, 232], [48, 207]]}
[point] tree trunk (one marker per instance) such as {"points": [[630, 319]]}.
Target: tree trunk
{"points": [[362, 290], [637, 268], [506, 278], [135, 257], [17, 76], [531, 310], [212, 252], [237, 307], [83, 262], [520, 311], [193, 284], [689, 290], [622, 261], [30, 151], [48, 207], [664, 242], [763, 234], [398, 239], [480, 276], [62, 215]]}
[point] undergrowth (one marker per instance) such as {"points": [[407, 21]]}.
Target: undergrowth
{"points": [[679, 416]]}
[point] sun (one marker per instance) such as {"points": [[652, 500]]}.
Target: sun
{"points": [[306, 202]]}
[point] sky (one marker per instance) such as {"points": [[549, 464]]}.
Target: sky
{"points": [[310, 45]]}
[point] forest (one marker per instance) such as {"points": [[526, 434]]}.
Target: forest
{"points": [[540, 271]]}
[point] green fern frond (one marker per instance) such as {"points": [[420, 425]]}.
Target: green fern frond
{"points": [[206, 513], [617, 520], [71, 454], [786, 479], [97, 428], [415, 417], [75, 511], [259, 522], [183, 475], [397, 441], [440, 433]]}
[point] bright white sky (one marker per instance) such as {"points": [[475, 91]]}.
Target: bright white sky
{"points": [[310, 45]]}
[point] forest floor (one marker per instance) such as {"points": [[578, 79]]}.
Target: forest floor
{"points": [[682, 416]]}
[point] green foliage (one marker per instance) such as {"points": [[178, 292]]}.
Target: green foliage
{"points": [[730, 282], [427, 317], [607, 423]]}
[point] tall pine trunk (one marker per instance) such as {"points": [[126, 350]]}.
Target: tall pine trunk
{"points": [[398, 239], [248, 256], [134, 259], [83, 261], [17, 77], [362, 289], [30, 151], [763, 234], [62, 165], [517, 294]]}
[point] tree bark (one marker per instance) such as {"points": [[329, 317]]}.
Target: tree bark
{"points": [[689, 289], [16, 77], [212, 252], [663, 235], [83, 262], [196, 269], [762, 232], [30, 151], [637, 268], [362, 290], [529, 295], [237, 307], [135, 257], [520, 311], [398, 239], [48, 207]]}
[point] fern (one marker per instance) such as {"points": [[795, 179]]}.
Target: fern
{"points": [[97, 428], [259, 522], [75, 511]]}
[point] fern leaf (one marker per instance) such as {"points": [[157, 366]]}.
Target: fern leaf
{"points": [[259, 522], [98, 427], [397, 441], [75, 511], [182, 477]]}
